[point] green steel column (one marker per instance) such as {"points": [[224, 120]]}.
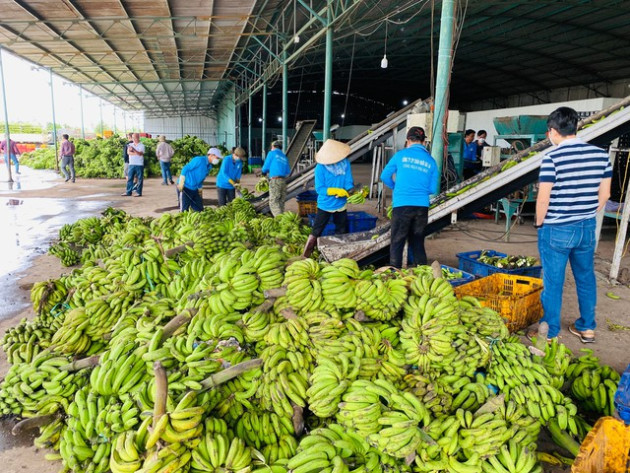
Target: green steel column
{"points": [[52, 101], [181, 123], [81, 102], [264, 121], [7, 134], [285, 102], [328, 74], [445, 54], [249, 126]]}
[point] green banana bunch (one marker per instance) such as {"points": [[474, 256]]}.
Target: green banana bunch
{"points": [[262, 429], [338, 283], [334, 449], [556, 360], [71, 336], [26, 340], [513, 458], [262, 185], [381, 297], [120, 369], [46, 295], [330, 379], [593, 385], [65, 253], [360, 196], [304, 289]]}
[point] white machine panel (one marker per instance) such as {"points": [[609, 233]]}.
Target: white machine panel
{"points": [[455, 121], [490, 156]]}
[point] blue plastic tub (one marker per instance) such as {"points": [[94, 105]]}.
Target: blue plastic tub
{"points": [[622, 397], [255, 161], [307, 196], [468, 262], [466, 277], [357, 222]]}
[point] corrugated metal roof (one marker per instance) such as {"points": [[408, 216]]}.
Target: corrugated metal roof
{"points": [[179, 56]]}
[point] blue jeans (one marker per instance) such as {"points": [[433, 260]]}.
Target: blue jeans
{"points": [[135, 171], [166, 172], [575, 243], [14, 158], [225, 195]]}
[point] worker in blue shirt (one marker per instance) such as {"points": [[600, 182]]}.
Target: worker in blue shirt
{"points": [[333, 180], [413, 175], [229, 176], [472, 165], [190, 181], [277, 166]]}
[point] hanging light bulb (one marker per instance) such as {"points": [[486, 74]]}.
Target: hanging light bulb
{"points": [[384, 61], [296, 37]]}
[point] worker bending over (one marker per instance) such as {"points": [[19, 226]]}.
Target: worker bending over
{"points": [[229, 176], [413, 176], [191, 179]]}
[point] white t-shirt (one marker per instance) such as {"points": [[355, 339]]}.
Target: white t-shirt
{"points": [[134, 159]]}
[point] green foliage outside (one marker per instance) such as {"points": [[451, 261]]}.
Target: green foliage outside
{"points": [[104, 157]]}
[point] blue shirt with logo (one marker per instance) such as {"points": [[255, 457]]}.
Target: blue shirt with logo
{"points": [[416, 176], [276, 164], [324, 179], [195, 172], [230, 169]]}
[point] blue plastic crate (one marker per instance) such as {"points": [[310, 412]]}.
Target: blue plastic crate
{"points": [[329, 229], [622, 396], [357, 222], [307, 196], [255, 161], [468, 262], [466, 277], [361, 222]]}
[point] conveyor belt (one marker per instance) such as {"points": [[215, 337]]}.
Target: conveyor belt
{"points": [[491, 185], [359, 145], [299, 141]]}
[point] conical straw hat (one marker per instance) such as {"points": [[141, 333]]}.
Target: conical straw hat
{"points": [[332, 152]]}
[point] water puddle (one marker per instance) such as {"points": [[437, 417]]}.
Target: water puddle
{"points": [[28, 179], [29, 226]]}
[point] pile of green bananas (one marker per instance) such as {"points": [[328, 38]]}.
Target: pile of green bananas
{"points": [[507, 262], [200, 342]]}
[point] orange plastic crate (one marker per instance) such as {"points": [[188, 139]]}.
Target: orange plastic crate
{"points": [[606, 448], [515, 298], [307, 207]]}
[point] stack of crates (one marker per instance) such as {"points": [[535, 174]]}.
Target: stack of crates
{"points": [[307, 203], [254, 162]]}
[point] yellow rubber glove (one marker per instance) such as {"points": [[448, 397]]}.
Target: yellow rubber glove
{"points": [[232, 182], [337, 192], [180, 183]]}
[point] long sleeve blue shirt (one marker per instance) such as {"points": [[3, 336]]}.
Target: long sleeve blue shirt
{"points": [[324, 180], [416, 176], [276, 164], [470, 151], [195, 172], [230, 169]]}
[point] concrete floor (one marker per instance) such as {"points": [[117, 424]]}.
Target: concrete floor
{"points": [[32, 215]]}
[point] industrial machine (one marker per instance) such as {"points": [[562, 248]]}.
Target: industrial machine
{"points": [[520, 131]]}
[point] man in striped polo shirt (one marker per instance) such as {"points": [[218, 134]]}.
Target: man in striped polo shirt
{"points": [[574, 185]]}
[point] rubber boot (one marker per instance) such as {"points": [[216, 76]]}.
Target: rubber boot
{"points": [[311, 243]]}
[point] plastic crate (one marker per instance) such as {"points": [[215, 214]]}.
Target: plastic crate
{"points": [[605, 449], [468, 262], [329, 229], [306, 208], [307, 196], [357, 222], [622, 396], [252, 167], [516, 298], [465, 279], [255, 161], [360, 222]]}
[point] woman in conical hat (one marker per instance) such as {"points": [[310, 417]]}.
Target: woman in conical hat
{"points": [[333, 180]]}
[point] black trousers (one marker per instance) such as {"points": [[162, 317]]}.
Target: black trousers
{"points": [[340, 219], [191, 200], [408, 224], [225, 195]]}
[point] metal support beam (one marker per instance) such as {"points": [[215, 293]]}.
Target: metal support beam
{"points": [[328, 76], [285, 101], [7, 133], [249, 126], [82, 119], [181, 123], [620, 240], [264, 120], [445, 55], [54, 120]]}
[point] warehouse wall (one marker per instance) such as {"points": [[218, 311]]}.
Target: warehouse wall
{"points": [[176, 127], [482, 120], [226, 120]]}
